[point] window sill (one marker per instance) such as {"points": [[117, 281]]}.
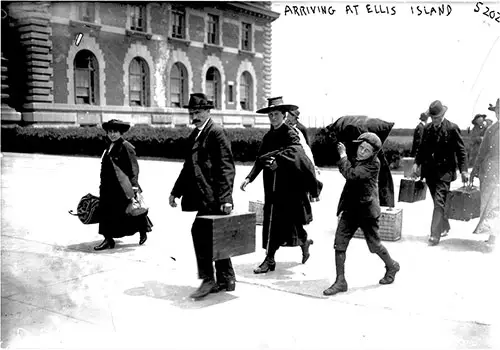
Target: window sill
{"points": [[246, 53], [213, 46], [179, 41], [84, 25], [138, 34]]}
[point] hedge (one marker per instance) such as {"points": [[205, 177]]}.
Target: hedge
{"points": [[170, 143]]}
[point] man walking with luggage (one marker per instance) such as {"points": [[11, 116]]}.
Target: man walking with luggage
{"points": [[359, 207], [206, 186], [441, 151]]}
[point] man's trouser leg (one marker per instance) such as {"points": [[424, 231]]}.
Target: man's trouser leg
{"points": [[202, 242], [439, 191]]}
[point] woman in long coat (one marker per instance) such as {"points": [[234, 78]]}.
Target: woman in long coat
{"points": [[289, 177], [487, 168], [119, 183]]}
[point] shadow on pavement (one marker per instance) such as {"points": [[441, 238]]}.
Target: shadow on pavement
{"points": [[282, 271], [88, 247], [462, 245], [178, 295]]}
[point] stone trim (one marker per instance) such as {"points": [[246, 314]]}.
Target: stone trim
{"points": [[139, 50], [87, 43]]}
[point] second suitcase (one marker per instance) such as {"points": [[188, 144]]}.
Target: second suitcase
{"points": [[411, 190], [463, 203]]}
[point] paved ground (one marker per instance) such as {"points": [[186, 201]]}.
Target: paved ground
{"points": [[58, 293]]}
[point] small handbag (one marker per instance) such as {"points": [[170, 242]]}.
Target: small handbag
{"points": [[87, 209], [137, 205]]}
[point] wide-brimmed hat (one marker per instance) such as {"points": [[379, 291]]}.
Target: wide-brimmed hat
{"points": [[295, 112], [436, 109], [477, 116], [494, 107], [117, 125], [276, 103], [370, 138], [199, 101]]}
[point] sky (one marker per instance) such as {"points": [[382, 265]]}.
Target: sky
{"points": [[384, 65]]}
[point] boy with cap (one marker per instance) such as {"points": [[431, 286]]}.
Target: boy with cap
{"points": [[359, 207]]}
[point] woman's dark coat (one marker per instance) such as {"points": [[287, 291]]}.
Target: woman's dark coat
{"points": [[114, 196], [349, 128], [286, 202]]}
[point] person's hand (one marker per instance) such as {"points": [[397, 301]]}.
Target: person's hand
{"points": [[244, 184], [171, 201], [415, 171], [272, 164], [465, 177], [341, 149], [226, 208]]}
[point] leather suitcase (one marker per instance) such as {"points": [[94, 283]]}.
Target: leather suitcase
{"points": [[232, 235], [408, 166], [411, 190], [463, 203], [390, 224]]}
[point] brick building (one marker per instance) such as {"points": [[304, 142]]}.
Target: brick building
{"points": [[83, 63]]}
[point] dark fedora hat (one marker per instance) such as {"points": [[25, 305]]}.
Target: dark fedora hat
{"points": [[199, 101], [424, 116], [436, 109], [276, 103], [117, 125]]}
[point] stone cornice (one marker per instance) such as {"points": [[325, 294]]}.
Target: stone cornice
{"points": [[253, 9]]}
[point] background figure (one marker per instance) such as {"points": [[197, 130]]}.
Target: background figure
{"points": [[116, 191], [418, 133], [476, 136], [441, 151], [293, 119], [206, 186], [359, 208], [349, 128], [487, 169], [288, 180]]}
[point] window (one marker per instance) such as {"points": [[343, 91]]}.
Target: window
{"points": [[230, 93], [213, 86], [138, 18], [246, 37], [86, 12], [139, 82], [178, 24], [213, 29], [86, 78], [246, 91], [178, 85]]}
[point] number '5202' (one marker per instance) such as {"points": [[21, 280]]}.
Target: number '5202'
{"points": [[487, 12]]}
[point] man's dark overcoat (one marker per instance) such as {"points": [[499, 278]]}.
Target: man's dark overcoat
{"points": [[442, 150], [114, 196], [417, 138], [286, 204], [207, 177]]}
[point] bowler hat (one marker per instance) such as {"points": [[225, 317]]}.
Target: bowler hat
{"points": [[436, 109], [199, 101], [276, 103], [424, 116], [116, 125], [370, 138], [493, 107]]}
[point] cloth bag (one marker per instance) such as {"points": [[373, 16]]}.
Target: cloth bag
{"points": [[87, 209], [137, 205]]}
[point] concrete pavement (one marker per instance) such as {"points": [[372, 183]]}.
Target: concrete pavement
{"points": [[58, 293]]}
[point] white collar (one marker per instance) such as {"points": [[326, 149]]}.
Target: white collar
{"points": [[203, 126]]}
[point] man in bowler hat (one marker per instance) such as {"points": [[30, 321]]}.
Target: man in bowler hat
{"points": [[441, 151], [206, 186], [359, 207]]}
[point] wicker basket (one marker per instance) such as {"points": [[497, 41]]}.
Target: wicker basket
{"points": [[390, 224], [257, 207]]}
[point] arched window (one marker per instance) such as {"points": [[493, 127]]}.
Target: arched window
{"points": [[178, 85], [213, 87], [246, 86], [86, 78], [139, 82]]}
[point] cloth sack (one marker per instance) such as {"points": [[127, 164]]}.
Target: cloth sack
{"points": [[137, 205], [87, 209]]}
